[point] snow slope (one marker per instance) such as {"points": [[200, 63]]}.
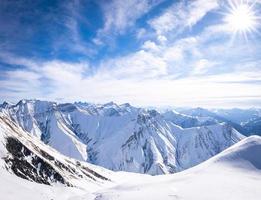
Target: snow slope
{"points": [[13, 188], [234, 174], [121, 137]]}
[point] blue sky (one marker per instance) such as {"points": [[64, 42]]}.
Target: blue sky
{"points": [[146, 52]]}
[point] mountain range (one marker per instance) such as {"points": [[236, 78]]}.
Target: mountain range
{"points": [[123, 137], [31, 169]]}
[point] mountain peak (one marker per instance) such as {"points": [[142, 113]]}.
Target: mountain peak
{"points": [[111, 103], [6, 104]]}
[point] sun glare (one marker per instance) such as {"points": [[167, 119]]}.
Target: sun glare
{"points": [[242, 18]]}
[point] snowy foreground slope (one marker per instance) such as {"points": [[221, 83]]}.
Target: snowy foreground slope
{"points": [[233, 174], [122, 137]]}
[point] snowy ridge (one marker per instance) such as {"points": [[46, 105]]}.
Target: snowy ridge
{"points": [[244, 155]]}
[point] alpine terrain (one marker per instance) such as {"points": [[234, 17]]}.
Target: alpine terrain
{"points": [[123, 137], [30, 169]]}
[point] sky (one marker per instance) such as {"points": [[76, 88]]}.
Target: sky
{"points": [[146, 52]]}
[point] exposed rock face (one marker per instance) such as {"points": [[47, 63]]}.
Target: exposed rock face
{"points": [[27, 165]]}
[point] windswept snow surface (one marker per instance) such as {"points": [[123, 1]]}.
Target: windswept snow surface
{"points": [[122, 137], [14, 188]]}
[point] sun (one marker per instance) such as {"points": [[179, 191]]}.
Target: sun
{"points": [[241, 18]]}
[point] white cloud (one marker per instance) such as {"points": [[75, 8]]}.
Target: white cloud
{"points": [[120, 15], [178, 50], [151, 46], [180, 16], [141, 33], [118, 81], [72, 39], [161, 38], [202, 66], [198, 9], [16, 60], [138, 66]]}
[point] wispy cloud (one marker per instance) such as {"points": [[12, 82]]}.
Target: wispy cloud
{"points": [[182, 15], [202, 66], [72, 81], [72, 39], [120, 16]]}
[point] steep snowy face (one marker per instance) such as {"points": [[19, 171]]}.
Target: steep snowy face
{"points": [[145, 145], [32, 115], [122, 137], [44, 120], [199, 144], [28, 158]]}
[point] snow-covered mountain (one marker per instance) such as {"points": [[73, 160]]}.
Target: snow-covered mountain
{"points": [[120, 137], [240, 116], [37, 171], [27, 157], [253, 126], [234, 173], [188, 121], [213, 116]]}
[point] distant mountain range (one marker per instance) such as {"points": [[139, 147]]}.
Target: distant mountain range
{"points": [[246, 121], [123, 137]]}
